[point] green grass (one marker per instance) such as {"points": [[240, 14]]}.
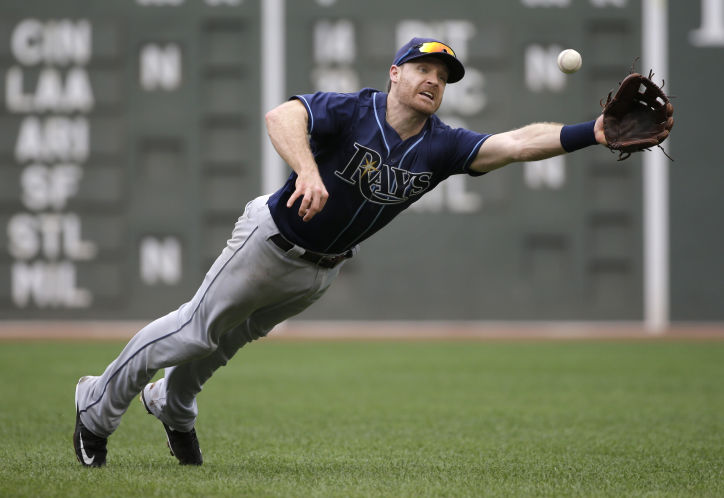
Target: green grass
{"points": [[390, 419]]}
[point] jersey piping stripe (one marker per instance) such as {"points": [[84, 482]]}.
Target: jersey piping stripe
{"points": [[411, 147], [309, 111], [394, 184], [118, 370], [476, 147], [379, 124], [354, 217], [382, 208]]}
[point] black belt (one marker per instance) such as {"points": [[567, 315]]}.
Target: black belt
{"points": [[323, 260]]}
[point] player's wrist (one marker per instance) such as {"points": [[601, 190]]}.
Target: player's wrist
{"points": [[578, 136], [308, 167]]}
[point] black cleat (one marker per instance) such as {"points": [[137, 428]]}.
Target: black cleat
{"points": [[89, 448], [183, 445]]}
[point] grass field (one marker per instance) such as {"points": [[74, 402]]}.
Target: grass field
{"points": [[390, 419]]}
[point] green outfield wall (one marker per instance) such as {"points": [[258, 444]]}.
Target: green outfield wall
{"points": [[131, 137]]}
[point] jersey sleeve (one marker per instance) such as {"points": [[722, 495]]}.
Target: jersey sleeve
{"points": [[328, 112], [465, 146]]}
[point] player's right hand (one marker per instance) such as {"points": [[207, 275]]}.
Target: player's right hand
{"points": [[310, 187]]}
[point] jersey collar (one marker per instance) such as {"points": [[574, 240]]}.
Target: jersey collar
{"points": [[390, 137]]}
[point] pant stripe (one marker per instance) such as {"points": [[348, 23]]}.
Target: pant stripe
{"points": [[118, 370]]}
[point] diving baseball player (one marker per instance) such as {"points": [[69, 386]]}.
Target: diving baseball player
{"points": [[358, 160]]}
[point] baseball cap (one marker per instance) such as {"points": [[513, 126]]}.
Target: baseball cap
{"points": [[425, 47]]}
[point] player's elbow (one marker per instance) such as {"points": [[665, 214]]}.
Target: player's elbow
{"points": [[525, 153], [291, 114], [272, 119], [518, 149], [530, 150]]}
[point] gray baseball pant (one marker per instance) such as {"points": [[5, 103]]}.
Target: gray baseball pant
{"points": [[252, 286]]}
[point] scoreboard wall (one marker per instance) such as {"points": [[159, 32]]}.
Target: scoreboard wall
{"points": [[131, 135]]}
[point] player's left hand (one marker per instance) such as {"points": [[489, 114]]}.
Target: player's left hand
{"points": [[310, 187], [598, 131], [638, 116]]}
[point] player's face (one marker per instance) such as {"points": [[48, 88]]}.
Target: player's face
{"points": [[422, 83]]}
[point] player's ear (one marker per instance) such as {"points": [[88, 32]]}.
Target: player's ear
{"points": [[394, 74]]}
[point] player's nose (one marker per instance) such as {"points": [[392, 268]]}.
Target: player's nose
{"points": [[432, 80], [437, 78]]}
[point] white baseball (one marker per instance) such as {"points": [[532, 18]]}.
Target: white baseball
{"points": [[569, 61]]}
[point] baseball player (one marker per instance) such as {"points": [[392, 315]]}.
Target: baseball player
{"points": [[358, 160]]}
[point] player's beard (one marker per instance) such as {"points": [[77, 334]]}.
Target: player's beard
{"points": [[421, 104], [411, 97]]}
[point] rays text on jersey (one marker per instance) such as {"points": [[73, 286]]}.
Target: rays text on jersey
{"points": [[381, 183]]}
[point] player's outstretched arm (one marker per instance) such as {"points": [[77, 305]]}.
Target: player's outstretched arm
{"points": [[287, 128], [530, 143]]}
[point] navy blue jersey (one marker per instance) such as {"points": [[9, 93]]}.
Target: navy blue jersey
{"points": [[371, 175]]}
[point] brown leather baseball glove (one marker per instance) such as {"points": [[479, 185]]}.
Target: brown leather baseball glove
{"points": [[638, 117]]}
